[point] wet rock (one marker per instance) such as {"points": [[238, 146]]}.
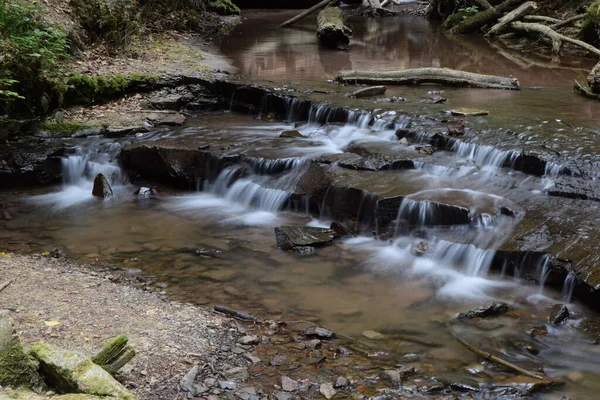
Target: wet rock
{"points": [[340, 382], [456, 127], [168, 120], [370, 91], [227, 385], [166, 102], [397, 376], [558, 314], [340, 229], [101, 187], [72, 372], [283, 396], [327, 390], [373, 335], [291, 134], [590, 327], [145, 192], [247, 393], [575, 188], [319, 332], [288, 237], [16, 367], [468, 112], [237, 374], [576, 376], [435, 97], [487, 310], [288, 384], [122, 131], [249, 340], [397, 99], [421, 247], [538, 331], [313, 344]]}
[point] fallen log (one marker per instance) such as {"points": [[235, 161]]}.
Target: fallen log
{"points": [[557, 38], [504, 22], [486, 17], [306, 13], [331, 29], [443, 76]]}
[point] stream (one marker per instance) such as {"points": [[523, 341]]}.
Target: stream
{"points": [[215, 243]]}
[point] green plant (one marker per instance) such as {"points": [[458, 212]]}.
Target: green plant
{"points": [[467, 12]]}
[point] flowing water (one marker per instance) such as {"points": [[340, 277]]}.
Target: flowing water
{"points": [[215, 244]]}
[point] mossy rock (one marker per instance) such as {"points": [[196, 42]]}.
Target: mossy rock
{"points": [[225, 7], [83, 89], [65, 128], [17, 369], [590, 30]]}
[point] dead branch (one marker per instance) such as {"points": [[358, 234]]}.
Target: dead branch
{"points": [[444, 76], [416, 339], [499, 361], [517, 13], [557, 38], [486, 17], [541, 18], [306, 13], [236, 314], [582, 90], [568, 21], [5, 284]]}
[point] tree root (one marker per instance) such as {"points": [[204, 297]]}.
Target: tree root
{"points": [[557, 38]]}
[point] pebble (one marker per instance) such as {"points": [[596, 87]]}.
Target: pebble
{"points": [[340, 382], [187, 381], [288, 384], [238, 374], [575, 376], [327, 390], [253, 359], [250, 339], [319, 332], [227, 385]]}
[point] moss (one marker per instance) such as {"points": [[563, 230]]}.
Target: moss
{"points": [[83, 89], [16, 368], [66, 128], [111, 350], [590, 30], [453, 20], [225, 7]]}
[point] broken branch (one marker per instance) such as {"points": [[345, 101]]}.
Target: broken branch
{"points": [[237, 314], [444, 76], [557, 38], [568, 21], [306, 13], [517, 13]]}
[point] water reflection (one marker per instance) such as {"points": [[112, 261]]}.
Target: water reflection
{"points": [[407, 41]]}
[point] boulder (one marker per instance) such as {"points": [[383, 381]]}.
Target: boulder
{"points": [[288, 237], [170, 102], [70, 372], [557, 314], [145, 192], [17, 369], [101, 187]]}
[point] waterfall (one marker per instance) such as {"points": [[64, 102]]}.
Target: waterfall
{"points": [[469, 259], [484, 155], [569, 286]]}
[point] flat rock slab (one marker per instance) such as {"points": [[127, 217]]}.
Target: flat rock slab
{"points": [[468, 112], [289, 237], [369, 92]]}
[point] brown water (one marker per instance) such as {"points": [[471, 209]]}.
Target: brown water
{"points": [[213, 249]]}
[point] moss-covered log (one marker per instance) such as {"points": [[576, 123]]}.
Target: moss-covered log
{"points": [[483, 18], [443, 76], [332, 31], [504, 22]]}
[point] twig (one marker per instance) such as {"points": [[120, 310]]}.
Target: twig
{"points": [[236, 314], [5, 284], [541, 18], [499, 361], [568, 21], [416, 339]]}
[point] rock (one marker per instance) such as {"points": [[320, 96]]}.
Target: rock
{"points": [[327, 390], [291, 134], [558, 314], [283, 396], [340, 229], [169, 120], [372, 335], [247, 393], [16, 367], [237, 374], [403, 141], [249, 340], [369, 92], [168, 102], [288, 384], [252, 358], [538, 331], [468, 112], [227, 385], [145, 192], [304, 251], [487, 310], [187, 382], [456, 127], [115, 354], [319, 332], [278, 360], [397, 376], [288, 237], [313, 344], [434, 97], [576, 376], [71, 372], [101, 187], [340, 382]]}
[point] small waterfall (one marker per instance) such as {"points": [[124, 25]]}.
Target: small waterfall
{"points": [[469, 259], [420, 213], [251, 194], [263, 166], [81, 169], [552, 170], [484, 155], [362, 119], [569, 286], [73, 169], [544, 268]]}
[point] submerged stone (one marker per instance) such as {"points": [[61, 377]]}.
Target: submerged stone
{"points": [[101, 187], [288, 237]]}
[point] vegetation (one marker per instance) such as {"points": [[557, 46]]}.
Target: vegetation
{"points": [[590, 30], [65, 128], [459, 16], [225, 7], [32, 58]]}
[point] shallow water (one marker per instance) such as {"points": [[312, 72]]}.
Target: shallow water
{"points": [[217, 246]]}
